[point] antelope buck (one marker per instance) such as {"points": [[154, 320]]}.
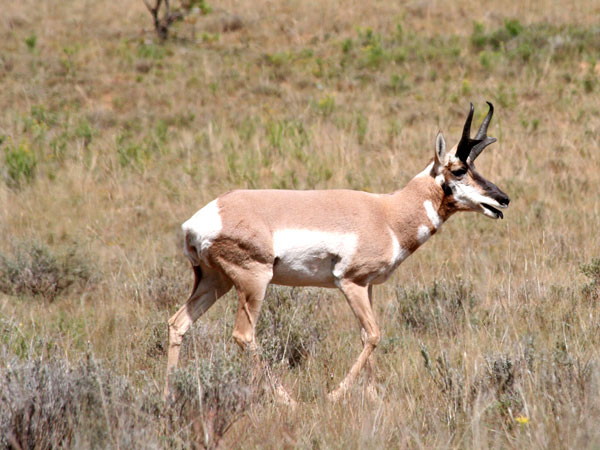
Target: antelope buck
{"points": [[341, 239]]}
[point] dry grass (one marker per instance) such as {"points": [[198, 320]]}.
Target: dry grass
{"points": [[109, 141]]}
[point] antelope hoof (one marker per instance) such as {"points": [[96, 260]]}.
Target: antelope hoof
{"points": [[334, 396], [168, 397], [371, 392], [282, 396]]}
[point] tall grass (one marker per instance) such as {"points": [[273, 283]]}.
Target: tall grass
{"points": [[110, 139]]}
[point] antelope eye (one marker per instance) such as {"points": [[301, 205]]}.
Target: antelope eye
{"points": [[459, 172]]}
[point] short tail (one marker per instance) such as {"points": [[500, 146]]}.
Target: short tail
{"points": [[197, 278], [191, 252], [190, 249]]}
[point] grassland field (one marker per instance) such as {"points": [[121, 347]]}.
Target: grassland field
{"points": [[110, 139]]}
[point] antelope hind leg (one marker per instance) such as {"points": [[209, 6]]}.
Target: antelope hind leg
{"points": [[207, 290], [251, 295]]}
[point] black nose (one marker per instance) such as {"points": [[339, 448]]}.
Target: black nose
{"points": [[504, 200]]}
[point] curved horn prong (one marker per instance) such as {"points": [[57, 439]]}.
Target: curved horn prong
{"points": [[477, 149], [482, 135], [465, 144]]}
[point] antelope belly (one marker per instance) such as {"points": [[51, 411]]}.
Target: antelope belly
{"points": [[306, 257]]}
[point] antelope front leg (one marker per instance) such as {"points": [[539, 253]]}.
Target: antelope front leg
{"points": [[358, 299]]}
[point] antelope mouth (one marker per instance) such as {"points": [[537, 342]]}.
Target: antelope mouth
{"points": [[489, 210]]}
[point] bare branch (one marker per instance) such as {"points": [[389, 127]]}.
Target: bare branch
{"points": [[162, 25]]}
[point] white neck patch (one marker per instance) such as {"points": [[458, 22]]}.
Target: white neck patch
{"points": [[423, 233], [399, 254], [434, 217]]}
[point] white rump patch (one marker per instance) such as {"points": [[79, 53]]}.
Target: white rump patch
{"points": [[423, 233], [203, 228], [311, 256], [435, 218]]}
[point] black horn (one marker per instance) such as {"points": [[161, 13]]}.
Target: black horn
{"points": [[467, 128], [466, 143], [482, 135]]}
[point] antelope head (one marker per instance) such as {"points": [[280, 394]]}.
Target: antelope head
{"points": [[464, 188]]}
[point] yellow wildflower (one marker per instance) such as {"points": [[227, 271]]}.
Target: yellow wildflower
{"points": [[522, 420]]}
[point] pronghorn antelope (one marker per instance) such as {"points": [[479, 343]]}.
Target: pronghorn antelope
{"points": [[337, 238]]}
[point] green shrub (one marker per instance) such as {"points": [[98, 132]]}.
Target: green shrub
{"points": [[478, 36], [31, 42], [496, 38], [151, 51], [374, 54], [513, 27], [347, 45], [286, 136], [325, 105], [84, 131], [524, 42], [40, 114], [202, 6], [20, 164], [132, 151]]}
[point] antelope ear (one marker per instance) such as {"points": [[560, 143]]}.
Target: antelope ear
{"points": [[440, 148]]}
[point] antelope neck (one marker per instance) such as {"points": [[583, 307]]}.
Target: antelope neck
{"points": [[417, 211]]}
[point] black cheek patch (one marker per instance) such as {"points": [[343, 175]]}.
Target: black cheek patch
{"points": [[447, 189]]}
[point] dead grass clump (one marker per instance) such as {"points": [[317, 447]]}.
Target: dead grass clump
{"points": [[155, 340], [507, 384], [36, 401], [289, 328], [442, 307], [211, 395], [170, 286], [592, 270], [35, 270], [52, 404]]}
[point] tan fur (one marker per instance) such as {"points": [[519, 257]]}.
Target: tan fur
{"points": [[242, 255], [251, 217]]}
